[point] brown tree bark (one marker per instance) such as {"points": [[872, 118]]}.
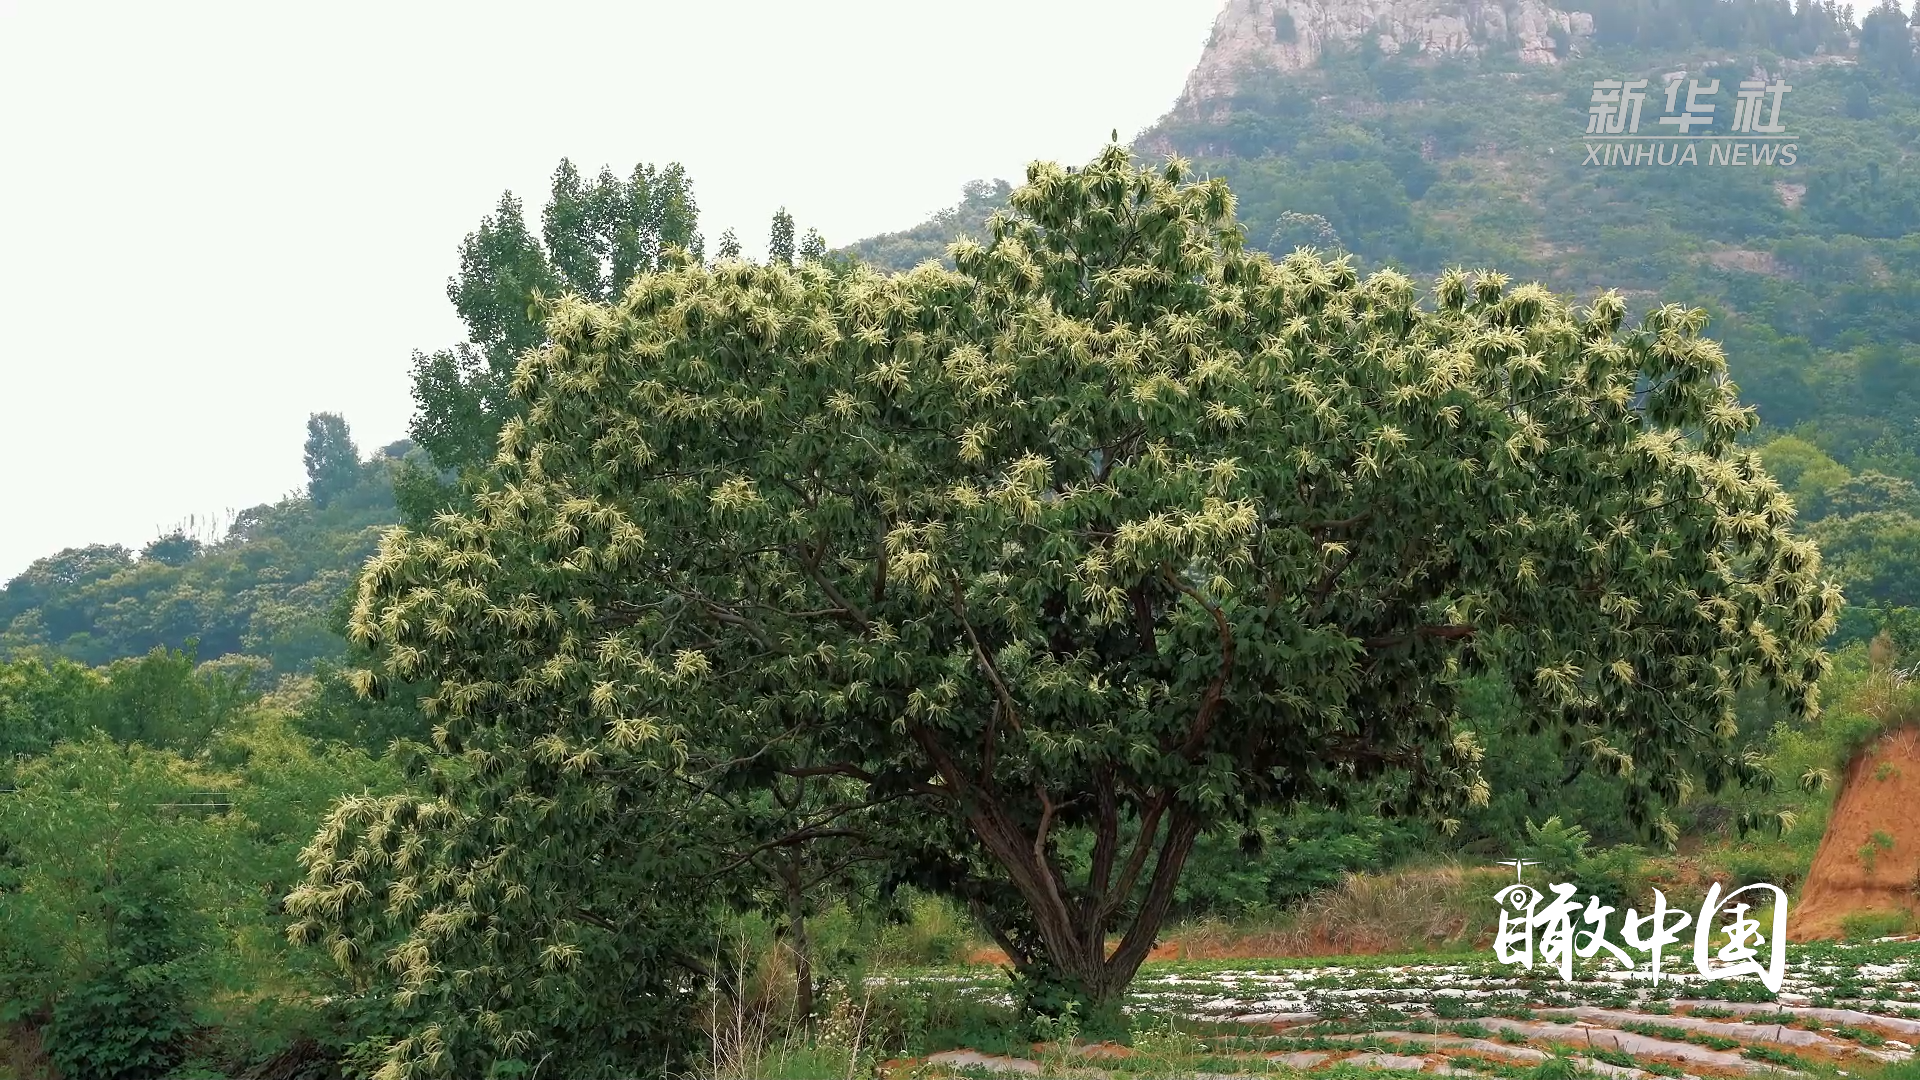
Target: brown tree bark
{"points": [[798, 942]]}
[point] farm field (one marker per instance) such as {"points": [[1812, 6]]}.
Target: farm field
{"points": [[1849, 1010]]}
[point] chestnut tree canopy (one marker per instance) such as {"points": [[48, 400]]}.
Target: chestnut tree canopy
{"points": [[1114, 527]]}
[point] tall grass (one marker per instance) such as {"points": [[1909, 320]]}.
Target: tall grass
{"points": [[1445, 908], [741, 1012], [751, 1018]]}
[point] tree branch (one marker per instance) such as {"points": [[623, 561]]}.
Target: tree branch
{"points": [[1153, 910], [1209, 701], [1106, 843], [880, 561], [1136, 859], [1005, 840], [1143, 617], [1450, 632], [729, 617], [591, 919], [992, 740], [811, 564], [1046, 822], [984, 916], [842, 769], [1342, 523], [986, 662], [794, 839], [1327, 582]]}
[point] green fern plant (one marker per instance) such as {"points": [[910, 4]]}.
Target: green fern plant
{"points": [[1560, 848]]}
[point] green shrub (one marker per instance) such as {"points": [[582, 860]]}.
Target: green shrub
{"points": [[1161, 1049], [1051, 1004], [1618, 876], [934, 931], [1867, 925], [1280, 860], [106, 926], [128, 900], [1773, 1056], [1560, 848], [1554, 1068], [914, 1019], [120, 1025], [1773, 864], [1744, 990], [1614, 1057], [1469, 1031], [1869, 852]]}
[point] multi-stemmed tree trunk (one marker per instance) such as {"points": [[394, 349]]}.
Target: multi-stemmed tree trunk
{"points": [[1071, 920]]}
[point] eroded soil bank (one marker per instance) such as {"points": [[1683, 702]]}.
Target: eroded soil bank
{"points": [[1869, 861]]}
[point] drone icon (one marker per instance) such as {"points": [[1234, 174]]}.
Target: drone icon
{"points": [[1519, 866]]}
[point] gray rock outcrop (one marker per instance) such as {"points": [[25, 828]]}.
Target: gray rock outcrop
{"points": [[1288, 35]]}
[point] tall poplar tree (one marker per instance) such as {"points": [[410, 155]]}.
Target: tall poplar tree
{"points": [[780, 239], [596, 236], [331, 458]]}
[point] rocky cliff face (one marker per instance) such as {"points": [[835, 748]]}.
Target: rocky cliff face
{"points": [[1288, 35]]}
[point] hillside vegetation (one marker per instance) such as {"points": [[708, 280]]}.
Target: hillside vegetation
{"points": [[564, 735], [1810, 273]]}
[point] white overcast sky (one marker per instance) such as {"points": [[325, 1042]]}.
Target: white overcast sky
{"points": [[216, 219]]}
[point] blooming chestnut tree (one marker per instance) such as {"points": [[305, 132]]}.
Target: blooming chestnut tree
{"points": [[1114, 528]]}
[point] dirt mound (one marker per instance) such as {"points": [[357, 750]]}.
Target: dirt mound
{"points": [[1869, 860]]}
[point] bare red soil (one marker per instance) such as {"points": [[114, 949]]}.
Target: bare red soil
{"points": [[1879, 803]]}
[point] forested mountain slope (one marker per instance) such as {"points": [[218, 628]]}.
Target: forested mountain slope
{"points": [[271, 583], [263, 584], [1424, 134]]}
